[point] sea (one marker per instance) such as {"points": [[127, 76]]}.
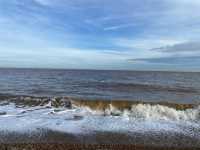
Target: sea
{"points": [[161, 107], [176, 87]]}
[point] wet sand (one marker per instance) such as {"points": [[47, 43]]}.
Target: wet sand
{"points": [[53, 140], [54, 146]]}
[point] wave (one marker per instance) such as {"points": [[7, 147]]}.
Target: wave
{"points": [[126, 109], [91, 103], [141, 110], [150, 112]]}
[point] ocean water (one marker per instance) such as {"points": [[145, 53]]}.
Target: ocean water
{"points": [[112, 85], [161, 107]]}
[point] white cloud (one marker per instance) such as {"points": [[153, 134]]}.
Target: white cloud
{"points": [[62, 58], [145, 43]]}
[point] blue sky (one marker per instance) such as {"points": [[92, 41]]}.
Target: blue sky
{"points": [[100, 34]]}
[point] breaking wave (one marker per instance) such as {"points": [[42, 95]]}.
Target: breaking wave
{"points": [[129, 109], [150, 112]]}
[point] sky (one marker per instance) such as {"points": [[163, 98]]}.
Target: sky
{"points": [[100, 34]]}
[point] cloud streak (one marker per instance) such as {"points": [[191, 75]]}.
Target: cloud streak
{"points": [[185, 61], [119, 27]]}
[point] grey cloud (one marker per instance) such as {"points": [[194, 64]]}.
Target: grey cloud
{"points": [[183, 54], [182, 47], [190, 60]]}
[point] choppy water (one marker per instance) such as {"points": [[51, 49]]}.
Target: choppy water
{"points": [[123, 85]]}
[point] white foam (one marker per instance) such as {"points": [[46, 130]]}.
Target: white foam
{"points": [[141, 118], [158, 112], [151, 112]]}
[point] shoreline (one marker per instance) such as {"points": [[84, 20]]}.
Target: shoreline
{"points": [[54, 146], [146, 139]]}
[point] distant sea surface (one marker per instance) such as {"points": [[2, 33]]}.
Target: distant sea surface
{"points": [[178, 87]]}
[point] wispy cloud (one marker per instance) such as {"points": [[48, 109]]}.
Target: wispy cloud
{"points": [[44, 2], [116, 27]]}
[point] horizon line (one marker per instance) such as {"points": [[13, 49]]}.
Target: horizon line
{"points": [[91, 69]]}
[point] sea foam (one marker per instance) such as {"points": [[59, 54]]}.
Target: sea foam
{"points": [[149, 112]]}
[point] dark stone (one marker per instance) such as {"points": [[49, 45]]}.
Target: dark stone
{"points": [[2, 113], [76, 117], [4, 103]]}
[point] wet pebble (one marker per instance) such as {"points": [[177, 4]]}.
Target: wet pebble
{"points": [[76, 117], [2, 113], [4, 103]]}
